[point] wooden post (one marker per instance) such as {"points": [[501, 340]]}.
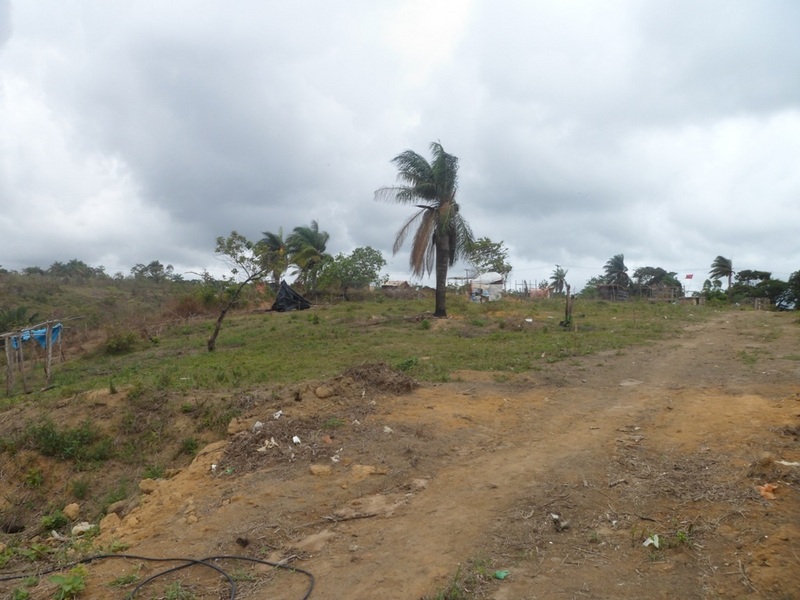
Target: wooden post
{"points": [[48, 361], [9, 366], [21, 363], [567, 322]]}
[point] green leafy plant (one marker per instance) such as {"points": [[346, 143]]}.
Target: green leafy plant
{"points": [[55, 521], [34, 552], [70, 585]]}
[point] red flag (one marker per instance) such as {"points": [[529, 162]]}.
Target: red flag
{"points": [[690, 275]]}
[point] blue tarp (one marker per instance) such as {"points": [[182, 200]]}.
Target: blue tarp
{"points": [[40, 335]]}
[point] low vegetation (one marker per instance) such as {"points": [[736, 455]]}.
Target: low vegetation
{"points": [[170, 396]]}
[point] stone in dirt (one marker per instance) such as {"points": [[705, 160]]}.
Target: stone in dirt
{"points": [[71, 511], [148, 486], [324, 391], [320, 470]]}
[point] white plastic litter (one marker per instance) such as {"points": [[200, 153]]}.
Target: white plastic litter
{"points": [[652, 541]]}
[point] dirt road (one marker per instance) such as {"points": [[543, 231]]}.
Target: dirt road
{"points": [[542, 485]]}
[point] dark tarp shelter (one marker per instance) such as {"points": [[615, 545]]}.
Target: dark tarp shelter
{"points": [[288, 299]]}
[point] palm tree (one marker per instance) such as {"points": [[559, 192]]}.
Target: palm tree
{"points": [[442, 235], [275, 254], [722, 267], [559, 279], [306, 246], [616, 271]]}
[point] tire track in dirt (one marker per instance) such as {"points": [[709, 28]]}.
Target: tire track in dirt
{"points": [[445, 524]]}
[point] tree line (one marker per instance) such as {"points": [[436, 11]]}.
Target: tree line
{"points": [[741, 285], [440, 236]]}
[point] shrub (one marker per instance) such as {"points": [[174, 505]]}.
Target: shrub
{"points": [[190, 446], [120, 341], [80, 443], [189, 306]]}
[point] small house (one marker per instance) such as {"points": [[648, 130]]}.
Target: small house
{"points": [[486, 287]]}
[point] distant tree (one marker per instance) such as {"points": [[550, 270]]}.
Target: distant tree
{"points": [[758, 284], [558, 279], [245, 265], [616, 272], [775, 290], [352, 272], [306, 246], [712, 290], [722, 268], [655, 276], [752, 278], [486, 256], [590, 288], [791, 295], [153, 271], [75, 271], [33, 271], [275, 254], [442, 235]]}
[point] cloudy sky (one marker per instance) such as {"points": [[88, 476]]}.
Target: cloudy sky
{"points": [[665, 130]]}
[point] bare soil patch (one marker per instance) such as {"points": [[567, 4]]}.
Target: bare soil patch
{"points": [[541, 485]]}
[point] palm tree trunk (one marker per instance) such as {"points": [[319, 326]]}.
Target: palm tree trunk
{"points": [[442, 260]]}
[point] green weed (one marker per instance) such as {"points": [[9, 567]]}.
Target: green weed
{"points": [[117, 546], [124, 580], [81, 444], [34, 478], [176, 591], [153, 472], [70, 585], [80, 488], [408, 363], [34, 552], [333, 423], [55, 521], [748, 358], [190, 446]]}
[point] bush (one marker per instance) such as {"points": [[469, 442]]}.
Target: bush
{"points": [[57, 520], [80, 443], [189, 306], [120, 341]]}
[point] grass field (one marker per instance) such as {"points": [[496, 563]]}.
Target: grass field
{"points": [[265, 348]]}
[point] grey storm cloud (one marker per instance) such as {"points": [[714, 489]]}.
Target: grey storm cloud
{"points": [[667, 131]]}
